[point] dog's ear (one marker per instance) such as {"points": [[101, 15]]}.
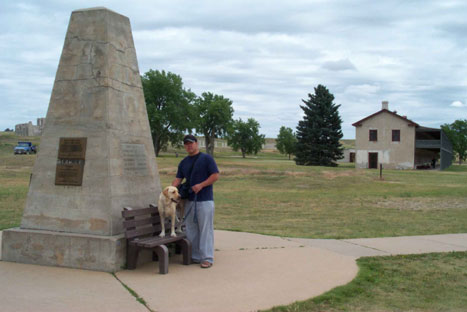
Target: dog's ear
{"points": [[166, 192]]}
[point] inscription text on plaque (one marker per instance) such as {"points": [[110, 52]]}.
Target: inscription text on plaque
{"points": [[134, 159], [70, 162]]}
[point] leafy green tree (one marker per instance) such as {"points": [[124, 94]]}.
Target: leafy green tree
{"points": [[245, 137], [169, 107], [457, 134], [214, 118], [319, 132], [286, 141]]}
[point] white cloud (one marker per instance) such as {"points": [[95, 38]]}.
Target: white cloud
{"points": [[458, 104], [339, 65], [264, 55]]}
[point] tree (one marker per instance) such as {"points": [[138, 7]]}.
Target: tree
{"points": [[245, 137], [286, 141], [319, 132], [214, 118], [169, 107], [457, 134]]}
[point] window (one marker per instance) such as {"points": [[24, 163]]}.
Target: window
{"points": [[396, 135], [373, 135]]}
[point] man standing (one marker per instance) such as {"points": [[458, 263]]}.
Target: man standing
{"points": [[201, 171]]}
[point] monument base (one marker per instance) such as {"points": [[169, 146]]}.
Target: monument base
{"points": [[79, 251]]}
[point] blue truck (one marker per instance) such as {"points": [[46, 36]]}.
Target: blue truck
{"points": [[25, 148]]}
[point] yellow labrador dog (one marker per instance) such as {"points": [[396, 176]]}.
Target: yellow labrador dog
{"points": [[168, 201]]}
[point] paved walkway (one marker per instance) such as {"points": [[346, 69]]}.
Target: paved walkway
{"points": [[251, 272]]}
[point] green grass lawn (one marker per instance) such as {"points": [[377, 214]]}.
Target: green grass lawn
{"points": [[15, 171], [270, 195], [428, 282]]}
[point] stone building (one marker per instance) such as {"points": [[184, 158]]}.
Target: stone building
{"points": [[28, 129], [399, 143]]}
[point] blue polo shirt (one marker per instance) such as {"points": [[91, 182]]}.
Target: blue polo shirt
{"points": [[205, 166]]}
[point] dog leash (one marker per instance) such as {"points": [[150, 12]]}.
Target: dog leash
{"points": [[195, 216]]}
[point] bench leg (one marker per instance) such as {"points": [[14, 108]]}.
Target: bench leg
{"points": [[178, 249], [163, 254], [185, 244], [132, 252]]}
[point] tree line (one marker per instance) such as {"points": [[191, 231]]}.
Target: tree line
{"points": [[174, 111]]}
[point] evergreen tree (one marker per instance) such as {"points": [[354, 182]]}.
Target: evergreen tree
{"points": [[319, 132]]}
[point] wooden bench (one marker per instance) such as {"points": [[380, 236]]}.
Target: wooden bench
{"points": [[142, 228]]}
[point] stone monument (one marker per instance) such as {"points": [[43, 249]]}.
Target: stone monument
{"points": [[96, 153]]}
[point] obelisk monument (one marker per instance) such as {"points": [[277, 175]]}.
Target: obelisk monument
{"points": [[96, 153]]}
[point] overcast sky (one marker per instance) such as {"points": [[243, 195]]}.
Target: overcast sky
{"points": [[265, 56]]}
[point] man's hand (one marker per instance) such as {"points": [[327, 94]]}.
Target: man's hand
{"points": [[212, 178], [196, 188], [176, 182]]}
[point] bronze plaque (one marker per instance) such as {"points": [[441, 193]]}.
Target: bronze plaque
{"points": [[72, 148], [70, 162], [69, 172]]}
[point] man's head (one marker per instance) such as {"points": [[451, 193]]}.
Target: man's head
{"points": [[191, 144]]}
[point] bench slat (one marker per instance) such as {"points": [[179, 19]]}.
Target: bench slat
{"points": [[154, 241], [135, 223], [139, 212], [143, 231]]}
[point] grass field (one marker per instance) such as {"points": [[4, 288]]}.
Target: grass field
{"points": [[269, 194], [15, 171], [428, 282]]}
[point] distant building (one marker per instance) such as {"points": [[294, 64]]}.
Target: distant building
{"points": [[269, 144], [399, 143], [217, 142], [28, 129], [349, 156]]}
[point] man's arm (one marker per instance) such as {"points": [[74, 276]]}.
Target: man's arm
{"points": [[212, 178], [176, 182]]}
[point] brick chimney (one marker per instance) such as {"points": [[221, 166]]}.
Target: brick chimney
{"points": [[385, 105]]}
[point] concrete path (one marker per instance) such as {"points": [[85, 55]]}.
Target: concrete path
{"points": [[251, 272], [386, 246]]}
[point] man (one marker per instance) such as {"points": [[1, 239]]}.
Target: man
{"points": [[199, 207]]}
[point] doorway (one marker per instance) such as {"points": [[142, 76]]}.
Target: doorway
{"points": [[373, 160]]}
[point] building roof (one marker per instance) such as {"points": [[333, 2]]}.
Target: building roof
{"points": [[426, 129], [410, 122]]}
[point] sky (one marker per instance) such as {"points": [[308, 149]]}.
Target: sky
{"points": [[265, 56]]}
